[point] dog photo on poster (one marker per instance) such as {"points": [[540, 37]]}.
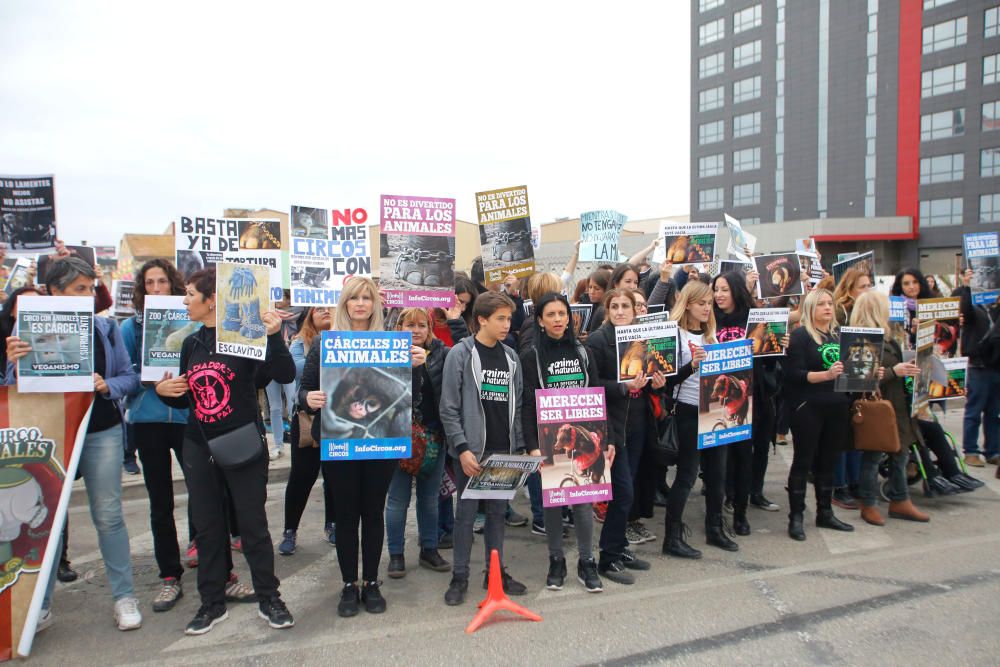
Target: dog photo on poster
{"points": [[725, 386]]}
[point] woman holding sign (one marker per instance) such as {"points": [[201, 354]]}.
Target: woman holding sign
{"points": [[872, 310], [557, 360], [820, 420], [695, 319], [222, 390], [359, 487]]}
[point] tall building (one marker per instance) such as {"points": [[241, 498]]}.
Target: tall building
{"points": [[864, 123]]}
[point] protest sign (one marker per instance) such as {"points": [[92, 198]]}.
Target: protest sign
{"points": [[501, 476], [122, 291], [165, 325], [652, 308], [599, 233], [659, 316], [897, 309], [766, 327], [417, 247], [864, 261], [60, 331], [505, 233], [843, 256], [861, 354], [805, 246], [321, 264], [925, 361], [809, 262], [202, 242], [779, 275], [725, 385], [241, 298], [944, 313], [580, 313], [528, 306], [43, 436], [741, 243], [20, 275], [536, 236], [366, 377], [982, 251], [646, 348], [686, 242], [27, 214], [732, 265], [956, 369], [572, 437]]}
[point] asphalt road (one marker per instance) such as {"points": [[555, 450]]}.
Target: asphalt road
{"points": [[915, 594]]}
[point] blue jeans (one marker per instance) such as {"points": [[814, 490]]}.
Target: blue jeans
{"points": [[275, 392], [982, 407], [101, 468], [847, 471], [427, 508]]}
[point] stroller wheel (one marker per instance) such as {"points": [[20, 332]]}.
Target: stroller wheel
{"points": [[883, 490]]}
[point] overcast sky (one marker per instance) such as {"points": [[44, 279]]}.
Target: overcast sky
{"points": [[148, 111]]}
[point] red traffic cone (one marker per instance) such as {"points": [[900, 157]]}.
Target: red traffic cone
{"points": [[496, 599]]}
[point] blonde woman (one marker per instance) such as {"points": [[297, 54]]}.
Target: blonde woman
{"points": [[359, 487], [819, 414], [853, 284], [695, 317], [872, 310]]}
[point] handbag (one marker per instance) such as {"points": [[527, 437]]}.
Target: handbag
{"points": [[237, 448], [667, 447], [873, 420], [418, 450], [305, 430]]}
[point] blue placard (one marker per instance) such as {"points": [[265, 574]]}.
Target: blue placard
{"points": [[366, 377], [725, 394], [897, 309]]}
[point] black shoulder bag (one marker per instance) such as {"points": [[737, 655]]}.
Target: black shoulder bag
{"points": [[667, 447], [235, 449]]}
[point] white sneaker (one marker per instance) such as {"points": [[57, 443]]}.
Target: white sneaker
{"points": [[45, 620], [274, 453], [127, 614]]}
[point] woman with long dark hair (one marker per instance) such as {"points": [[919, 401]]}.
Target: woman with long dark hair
{"points": [[911, 285], [557, 360], [306, 464], [222, 389]]}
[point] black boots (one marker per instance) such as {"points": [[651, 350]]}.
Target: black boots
{"points": [[740, 524], [715, 534], [824, 510], [796, 507], [674, 544], [796, 531]]}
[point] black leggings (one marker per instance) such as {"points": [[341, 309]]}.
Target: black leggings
{"points": [[747, 461], [301, 479], [713, 464], [820, 432], [359, 490], [937, 443]]}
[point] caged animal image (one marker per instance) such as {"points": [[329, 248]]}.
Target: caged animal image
{"points": [[766, 337], [642, 356], [575, 455], [862, 360], [687, 249], [725, 401], [54, 348], [366, 403]]}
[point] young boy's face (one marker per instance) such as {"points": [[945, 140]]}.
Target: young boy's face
{"points": [[497, 326]]}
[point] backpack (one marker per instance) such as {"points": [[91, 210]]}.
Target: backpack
{"points": [[988, 347]]}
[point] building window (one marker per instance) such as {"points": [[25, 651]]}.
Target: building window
{"points": [[945, 35], [990, 74], [746, 194], [947, 79], [746, 159], [941, 212], [746, 54], [706, 5], [710, 133], [989, 208], [991, 116], [711, 65], [989, 162], [709, 199], [710, 165], [950, 123], [931, 4], [942, 168], [749, 221], [746, 89], [991, 22], [745, 19], [712, 31], [746, 124], [713, 98]]}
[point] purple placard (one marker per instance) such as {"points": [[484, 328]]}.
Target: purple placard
{"points": [[572, 436], [418, 251]]}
